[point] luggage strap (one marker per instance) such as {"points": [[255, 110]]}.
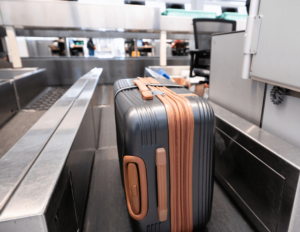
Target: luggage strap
{"points": [[148, 84], [181, 138]]}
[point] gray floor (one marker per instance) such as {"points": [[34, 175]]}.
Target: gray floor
{"points": [[107, 211]]}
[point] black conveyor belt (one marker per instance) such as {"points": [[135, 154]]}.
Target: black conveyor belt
{"points": [[106, 209]]}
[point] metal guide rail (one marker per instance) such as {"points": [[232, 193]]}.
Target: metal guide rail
{"points": [[44, 177]]}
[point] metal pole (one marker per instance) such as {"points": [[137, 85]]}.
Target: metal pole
{"points": [[135, 48], [197, 4], [163, 48], [67, 46], [247, 54], [14, 55]]}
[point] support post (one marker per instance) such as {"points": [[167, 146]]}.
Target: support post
{"points": [[197, 4], [163, 48], [135, 48], [13, 51], [247, 42], [67, 46]]}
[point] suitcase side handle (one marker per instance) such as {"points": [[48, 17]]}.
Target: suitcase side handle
{"points": [[161, 169], [135, 181], [146, 93]]}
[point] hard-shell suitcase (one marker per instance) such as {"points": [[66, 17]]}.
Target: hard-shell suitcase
{"points": [[165, 141]]}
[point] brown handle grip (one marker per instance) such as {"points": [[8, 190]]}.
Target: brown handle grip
{"points": [[146, 94], [134, 188], [161, 167], [135, 182]]}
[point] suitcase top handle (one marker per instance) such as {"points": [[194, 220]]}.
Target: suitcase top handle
{"points": [[146, 94]]}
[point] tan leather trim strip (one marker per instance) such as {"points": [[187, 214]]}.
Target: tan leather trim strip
{"points": [[174, 156], [182, 159], [186, 126], [161, 170], [142, 185], [188, 94]]}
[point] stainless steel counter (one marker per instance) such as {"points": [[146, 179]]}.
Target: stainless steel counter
{"points": [[10, 73], [259, 170], [37, 180], [17, 88]]}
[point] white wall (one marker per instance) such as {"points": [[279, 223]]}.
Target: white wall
{"points": [[102, 1]]}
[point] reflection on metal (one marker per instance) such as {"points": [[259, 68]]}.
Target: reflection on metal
{"points": [[40, 175], [78, 15], [75, 89], [17, 161], [259, 170], [13, 51]]}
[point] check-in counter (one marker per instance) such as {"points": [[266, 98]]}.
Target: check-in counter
{"points": [[45, 176], [258, 170]]}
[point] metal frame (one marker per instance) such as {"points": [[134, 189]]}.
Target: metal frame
{"points": [[42, 166], [244, 98], [25, 84], [273, 154]]}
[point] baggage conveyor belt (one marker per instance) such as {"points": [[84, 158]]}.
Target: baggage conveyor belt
{"points": [[106, 208]]}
